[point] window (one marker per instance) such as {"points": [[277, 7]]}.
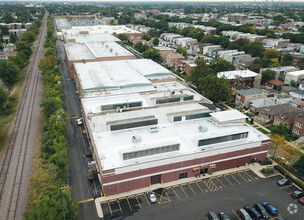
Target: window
{"points": [[183, 175], [278, 121], [296, 131], [297, 124], [221, 139], [121, 105], [133, 124], [190, 97], [152, 151], [263, 113], [198, 115], [177, 118]]}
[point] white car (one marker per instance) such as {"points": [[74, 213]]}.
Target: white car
{"points": [[79, 121], [151, 196]]}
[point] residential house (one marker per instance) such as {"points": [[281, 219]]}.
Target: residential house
{"points": [[287, 89], [297, 94], [287, 118], [281, 71], [299, 103], [275, 84], [296, 58], [207, 50], [298, 126], [296, 76], [164, 51], [244, 97], [280, 42], [268, 114], [247, 78], [172, 58], [257, 104]]}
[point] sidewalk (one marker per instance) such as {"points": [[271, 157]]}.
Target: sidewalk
{"points": [[256, 167]]}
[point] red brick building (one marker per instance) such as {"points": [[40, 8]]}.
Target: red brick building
{"points": [[298, 126]]}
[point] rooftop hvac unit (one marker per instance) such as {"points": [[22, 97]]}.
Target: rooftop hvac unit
{"points": [[107, 46], [202, 128], [111, 50], [136, 139], [153, 129]]}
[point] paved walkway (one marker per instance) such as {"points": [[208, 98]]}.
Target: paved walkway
{"points": [[256, 167]]}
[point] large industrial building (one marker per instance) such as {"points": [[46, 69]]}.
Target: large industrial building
{"points": [[144, 126]]}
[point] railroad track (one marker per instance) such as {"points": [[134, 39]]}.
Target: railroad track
{"points": [[12, 167]]}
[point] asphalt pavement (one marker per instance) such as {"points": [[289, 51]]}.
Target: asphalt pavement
{"points": [[82, 189]]}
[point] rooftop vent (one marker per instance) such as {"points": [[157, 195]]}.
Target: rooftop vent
{"points": [[202, 128], [136, 139]]}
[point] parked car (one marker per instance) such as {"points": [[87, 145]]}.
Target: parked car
{"points": [[297, 194], [255, 215], [212, 216], [261, 210], [151, 196], [284, 182], [301, 200], [270, 208], [243, 214], [223, 216], [79, 121]]}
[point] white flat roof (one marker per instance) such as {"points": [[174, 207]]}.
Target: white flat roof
{"points": [[78, 52], [94, 50], [232, 74], [124, 72], [112, 144], [104, 29], [229, 115], [108, 75], [87, 38], [296, 73]]}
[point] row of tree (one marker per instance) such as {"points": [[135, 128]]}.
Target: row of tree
{"points": [[49, 194]]}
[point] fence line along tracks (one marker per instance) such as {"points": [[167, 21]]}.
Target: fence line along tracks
{"points": [[14, 167]]}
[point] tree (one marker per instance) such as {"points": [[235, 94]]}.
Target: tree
{"points": [[153, 55], [301, 64], [12, 38], [146, 37], [123, 37], [220, 65], [200, 71], [277, 141], [286, 59], [268, 75], [215, 89], [293, 83], [141, 47], [3, 97], [28, 36], [47, 63], [299, 165], [255, 48], [9, 73], [50, 105], [7, 18], [271, 53], [182, 51], [155, 41]]}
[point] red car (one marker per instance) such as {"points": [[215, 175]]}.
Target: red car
{"points": [[301, 200]]}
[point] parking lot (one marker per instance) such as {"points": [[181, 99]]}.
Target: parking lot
{"points": [[193, 200]]}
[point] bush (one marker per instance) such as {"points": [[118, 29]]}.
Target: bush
{"points": [[268, 171]]}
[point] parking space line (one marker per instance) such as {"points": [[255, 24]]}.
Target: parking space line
{"points": [[285, 187], [199, 187], [221, 182], [119, 206], [147, 200], [110, 208], [167, 195], [228, 180], [235, 179], [138, 202], [129, 204], [183, 190], [191, 189], [236, 215], [175, 192], [249, 175], [242, 177]]}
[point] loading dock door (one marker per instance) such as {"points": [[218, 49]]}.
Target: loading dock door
{"points": [[156, 179]]}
